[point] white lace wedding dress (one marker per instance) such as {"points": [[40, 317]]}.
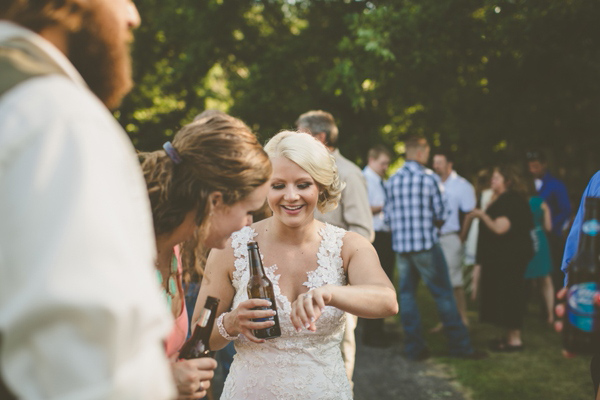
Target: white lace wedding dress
{"points": [[298, 365]]}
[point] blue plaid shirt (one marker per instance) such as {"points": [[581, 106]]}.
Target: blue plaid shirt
{"points": [[414, 201]]}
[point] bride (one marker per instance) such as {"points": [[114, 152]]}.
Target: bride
{"points": [[318, 272]]}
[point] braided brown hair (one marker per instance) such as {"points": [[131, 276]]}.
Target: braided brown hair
{"points": [[218, 154]]}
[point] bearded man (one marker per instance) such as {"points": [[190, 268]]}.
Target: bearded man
{"points": [[81, 315]]}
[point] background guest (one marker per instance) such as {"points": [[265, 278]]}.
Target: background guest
{"points": [[470, 229], [415, 208], [379, 158], [539, 269], [555, 195], [461, 200], [504, 250], [592, 190]]}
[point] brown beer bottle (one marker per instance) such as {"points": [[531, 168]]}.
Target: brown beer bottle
{"points": [[197, 345], [581, 327], [260, 287]]}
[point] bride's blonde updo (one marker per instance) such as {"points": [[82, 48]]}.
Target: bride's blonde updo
{"points": [[313, 157]]}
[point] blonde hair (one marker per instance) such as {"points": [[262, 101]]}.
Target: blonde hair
{"points": [[313, 157]]}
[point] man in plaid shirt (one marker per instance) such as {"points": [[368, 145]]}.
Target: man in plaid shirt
{"points": [[415, 208]]}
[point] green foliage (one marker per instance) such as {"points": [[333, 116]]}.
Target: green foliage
{"points": [[485, 78], [177, 53]]}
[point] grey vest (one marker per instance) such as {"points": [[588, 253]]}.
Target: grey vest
{"points": [[20, 60]]}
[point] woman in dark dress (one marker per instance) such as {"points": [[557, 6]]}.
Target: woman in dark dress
{"points": [[504, 250]]}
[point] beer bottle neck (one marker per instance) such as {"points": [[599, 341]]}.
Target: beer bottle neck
{"points": [[256, 267], [207, 321]]}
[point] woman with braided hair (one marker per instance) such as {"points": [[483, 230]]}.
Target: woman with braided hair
{"points": [[202, 187]]}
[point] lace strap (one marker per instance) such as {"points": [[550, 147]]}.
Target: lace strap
{"points": [[333, 239], [222, 330], [239, 242]]}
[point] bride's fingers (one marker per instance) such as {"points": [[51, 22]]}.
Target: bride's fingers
{"points": [[301, 311], [309, 307], [320, 302], [294, 317]]}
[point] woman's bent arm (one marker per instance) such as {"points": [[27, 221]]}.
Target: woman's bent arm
{"points": [[369, 293]]}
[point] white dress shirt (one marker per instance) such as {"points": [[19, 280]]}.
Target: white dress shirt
{"points": [[376, 191], [461, 197], [81, 315]]}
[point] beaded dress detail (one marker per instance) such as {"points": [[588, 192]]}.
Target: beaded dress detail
{"points": [[296, 365]]}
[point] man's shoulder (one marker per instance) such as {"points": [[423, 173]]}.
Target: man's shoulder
{"points": [[555, 182], [51, 94], [463, 182], [53, 105], [346, 167], [431, 177], [594, 185], [370, 175]]}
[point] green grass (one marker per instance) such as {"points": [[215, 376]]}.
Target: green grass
{"points": [[539, 372]]}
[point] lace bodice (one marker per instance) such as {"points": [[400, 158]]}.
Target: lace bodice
{"points": [[297, 365]]}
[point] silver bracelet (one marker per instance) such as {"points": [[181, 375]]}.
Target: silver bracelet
{"points": [[222, 330]]}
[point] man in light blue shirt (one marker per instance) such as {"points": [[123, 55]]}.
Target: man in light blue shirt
{"points": [[461, 200], [379, 158]]}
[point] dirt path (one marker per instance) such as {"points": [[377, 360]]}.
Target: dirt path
{"points": [[384, 374]]}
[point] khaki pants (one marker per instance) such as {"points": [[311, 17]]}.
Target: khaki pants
{"points": [[349, 346]]}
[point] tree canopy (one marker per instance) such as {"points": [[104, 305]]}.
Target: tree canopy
{"points": [[486, 79]]}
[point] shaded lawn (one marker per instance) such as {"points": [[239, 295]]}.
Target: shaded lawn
{"points": [[539, 372]]}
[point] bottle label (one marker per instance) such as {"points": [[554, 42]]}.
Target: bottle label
{"points": [[271, 318], [581, 311], [591, 227], [204, 318]]}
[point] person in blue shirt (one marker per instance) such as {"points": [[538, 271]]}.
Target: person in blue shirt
{"points": [[592, 190], [555, 195]]}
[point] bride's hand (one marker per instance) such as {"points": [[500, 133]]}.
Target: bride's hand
{"points": [[308, 307], [241, 321]]}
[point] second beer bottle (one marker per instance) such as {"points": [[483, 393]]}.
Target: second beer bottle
{"points": [[260, 287], [581, 330], [197, 346]]}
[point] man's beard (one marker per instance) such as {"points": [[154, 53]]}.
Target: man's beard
{"points": [[101, 55]]}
